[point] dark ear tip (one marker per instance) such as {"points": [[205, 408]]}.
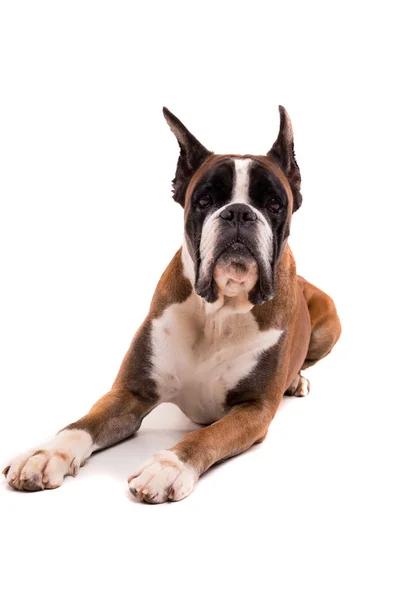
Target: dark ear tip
{"points": [[168, 115], [283, 112], [173, 121]]}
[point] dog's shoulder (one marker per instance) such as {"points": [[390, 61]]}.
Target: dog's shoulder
{"points": [[173, 287]]}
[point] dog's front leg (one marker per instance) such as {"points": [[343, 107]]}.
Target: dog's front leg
{"points": [[172, 474], [114, 417]]}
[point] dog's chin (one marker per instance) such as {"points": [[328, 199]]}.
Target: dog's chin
{"points": [[235, 273]]}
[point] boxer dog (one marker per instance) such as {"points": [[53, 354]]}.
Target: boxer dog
{"points": [[230, 327]]}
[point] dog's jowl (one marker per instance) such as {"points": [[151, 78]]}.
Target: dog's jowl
{"points": [[229, 330]]}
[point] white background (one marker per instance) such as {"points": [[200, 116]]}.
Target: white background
{"points": [[87, 226]]}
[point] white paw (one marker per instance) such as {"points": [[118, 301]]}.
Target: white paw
{"points": [[300, 386], [45, 467], [163, 477], [303, 387]]}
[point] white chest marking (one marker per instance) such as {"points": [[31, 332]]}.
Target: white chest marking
{"points": [[198, 356]]}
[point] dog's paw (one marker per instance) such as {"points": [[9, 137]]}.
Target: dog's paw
{"points": [[300, 386], [163, 477], [45, 467]]}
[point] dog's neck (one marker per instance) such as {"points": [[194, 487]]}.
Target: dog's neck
{"points": [[177, 285]]}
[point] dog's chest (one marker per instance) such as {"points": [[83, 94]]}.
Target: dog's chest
{"points": [[197, 358]]}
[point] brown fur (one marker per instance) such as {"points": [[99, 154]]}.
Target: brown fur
{"points": [[325, 323], [116, 416], [172, 288]]}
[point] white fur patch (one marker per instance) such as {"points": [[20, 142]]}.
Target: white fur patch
{"points": [[265, 238], [187, 261], [242, 180], [163, 477], [45, 466], [304, 387], [300, 386], [209, 236], [200, 354]]}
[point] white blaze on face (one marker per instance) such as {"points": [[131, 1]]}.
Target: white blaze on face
{"points": [[211, 230], [241, 184]]}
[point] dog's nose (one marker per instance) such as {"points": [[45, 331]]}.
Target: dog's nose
{"points": [[238, 212]]}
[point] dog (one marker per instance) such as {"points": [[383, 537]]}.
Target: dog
{"points": [[230, 328]]}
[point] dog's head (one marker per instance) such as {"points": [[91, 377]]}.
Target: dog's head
{"points": [[237, 212]]}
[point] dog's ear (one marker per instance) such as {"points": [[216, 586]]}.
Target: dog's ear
{"points": [[192, 155], [283, 153]]}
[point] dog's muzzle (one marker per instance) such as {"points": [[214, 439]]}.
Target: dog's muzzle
{"points": [[237, 262]]}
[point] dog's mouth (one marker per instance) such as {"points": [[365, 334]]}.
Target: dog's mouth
{"points": [[235, 270]]}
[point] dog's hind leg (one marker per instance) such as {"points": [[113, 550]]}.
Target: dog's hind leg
{"points": [[325, 331], [325, 324]]}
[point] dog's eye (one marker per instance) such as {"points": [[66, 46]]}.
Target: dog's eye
{"points": [[274, 205], [204, 201]]}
